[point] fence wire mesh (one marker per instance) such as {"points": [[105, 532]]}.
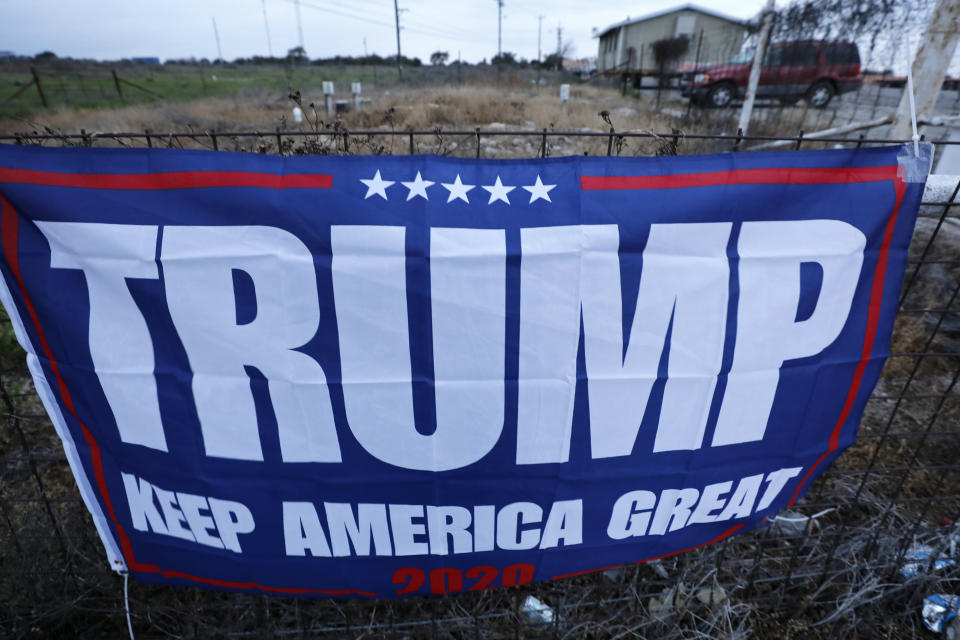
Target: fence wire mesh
{"points": [[838, 564]]}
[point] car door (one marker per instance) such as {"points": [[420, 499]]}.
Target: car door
{"points": [[799, 66], [769, 83]]}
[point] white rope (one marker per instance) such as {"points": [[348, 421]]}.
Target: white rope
{"points": [[126, 602], [913, 106]]}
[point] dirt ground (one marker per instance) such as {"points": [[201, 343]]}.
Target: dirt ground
{"points": [[436, 109]]}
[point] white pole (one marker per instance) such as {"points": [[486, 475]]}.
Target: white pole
{"points": [[328, 96], [355, 89], [765, 27], [913, 106]]}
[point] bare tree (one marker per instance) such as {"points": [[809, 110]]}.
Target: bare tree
{"points": [[877, 26]]}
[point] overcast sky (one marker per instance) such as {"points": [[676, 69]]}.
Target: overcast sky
{"points": [[112, 29]]}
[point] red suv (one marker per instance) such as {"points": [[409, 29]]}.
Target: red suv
{"points": [[808, 69]]}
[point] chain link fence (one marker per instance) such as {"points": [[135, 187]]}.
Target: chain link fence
{"points": [[843, 562]]}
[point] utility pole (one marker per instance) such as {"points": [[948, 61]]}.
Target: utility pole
{"points": [[559, 47], [299, 24], [539, 37], [266, 25], [396, 15], [499, 28], [937, 48], [539, 52], [754, 80], [216, 36]]}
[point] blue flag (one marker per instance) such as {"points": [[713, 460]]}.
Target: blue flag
{"points": [[381, 376]]}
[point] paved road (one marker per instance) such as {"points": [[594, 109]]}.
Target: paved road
{"points": [[948, 160]]}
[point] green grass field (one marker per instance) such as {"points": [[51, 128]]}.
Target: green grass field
{"points": [[94, 87]]}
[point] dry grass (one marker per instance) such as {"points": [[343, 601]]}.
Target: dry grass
{"points": [[425, 109], [509, 106]]}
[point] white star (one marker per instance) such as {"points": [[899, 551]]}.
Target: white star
{"points": [[458, 190], [498, 191], [540, 191], [417, 188], [376, 186]]}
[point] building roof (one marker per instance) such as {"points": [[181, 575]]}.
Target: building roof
{"points": [[684, 7]]}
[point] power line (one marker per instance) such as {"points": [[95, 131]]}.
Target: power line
{"points": [[342, 13], [432, 32], [436, 33]]}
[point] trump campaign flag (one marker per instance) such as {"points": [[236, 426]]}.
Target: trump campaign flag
{"points": [[381, 376]]}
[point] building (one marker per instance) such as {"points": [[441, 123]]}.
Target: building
{"points": [[580, 66], [626, 47]]}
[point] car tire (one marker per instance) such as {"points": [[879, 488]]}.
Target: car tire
{"points": [[820, 94], [721, 95]]}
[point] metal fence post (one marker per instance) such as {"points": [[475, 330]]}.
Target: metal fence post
{"points": [[116, 83], [36, 82]]}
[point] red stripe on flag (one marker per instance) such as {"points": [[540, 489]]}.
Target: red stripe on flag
{"points": [[167, 180], [873, 320], [837, 175]]}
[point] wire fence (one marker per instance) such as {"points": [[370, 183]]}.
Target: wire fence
{"points": [[32, 87], [843, 562]]}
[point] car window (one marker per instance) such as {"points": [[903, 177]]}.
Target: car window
{"points": [[799, 55], [773, 57], [842, 54], [743, 57]]}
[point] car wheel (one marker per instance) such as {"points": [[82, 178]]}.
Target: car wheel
{"points": [[820, 94], [721, 95]]}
